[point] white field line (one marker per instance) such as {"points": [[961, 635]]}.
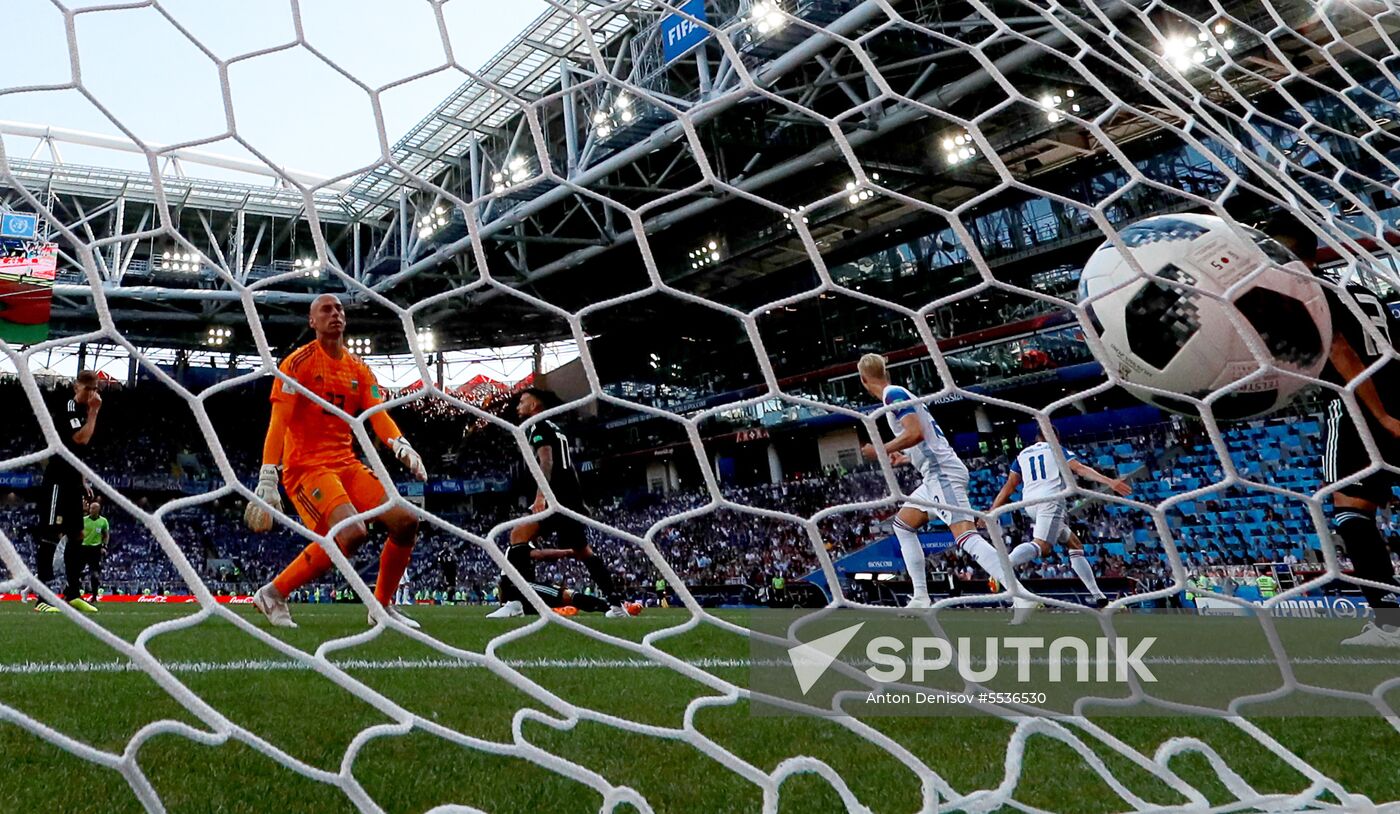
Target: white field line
{"points": [[272, 665]]}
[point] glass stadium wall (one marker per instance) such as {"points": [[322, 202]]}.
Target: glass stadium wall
{"points": [[200, 368]]}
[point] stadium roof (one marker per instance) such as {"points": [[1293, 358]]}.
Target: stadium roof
{"points": [[138, 185], [765, 136], [522, 71]]}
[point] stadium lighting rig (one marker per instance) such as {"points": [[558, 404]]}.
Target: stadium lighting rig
{"points": [[796, 214], [177, 260], [309, 267], [767, 17], [437, 218], [610, 118], [359, 345], [218, 336], [958, 148], [516, 171], [1189, 51], [427, 340], [856, 193], [1056, 105], [706, 255]]}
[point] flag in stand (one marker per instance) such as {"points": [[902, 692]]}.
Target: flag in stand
{"points": [[27, 270]]}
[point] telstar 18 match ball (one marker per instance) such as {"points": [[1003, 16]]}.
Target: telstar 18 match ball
{"points": [[1160, 333]]}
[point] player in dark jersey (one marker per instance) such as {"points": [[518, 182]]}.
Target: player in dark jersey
{"points": [[551, 448], [1364, 333], [524, 556], [64, 492]]}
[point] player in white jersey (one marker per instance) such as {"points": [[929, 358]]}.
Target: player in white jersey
{"points": [[1042, 485], [919, 439]]}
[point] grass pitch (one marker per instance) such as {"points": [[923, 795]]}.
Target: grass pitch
{"points": [[53, 671]]}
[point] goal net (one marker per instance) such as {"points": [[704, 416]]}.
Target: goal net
{"points": [[724, 205]]}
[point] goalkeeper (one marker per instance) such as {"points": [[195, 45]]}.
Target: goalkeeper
{"points": [[314, 450]]}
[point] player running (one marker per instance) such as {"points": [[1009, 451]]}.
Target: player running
{"points": [[1042, 483], [944, 481], [1364, 333], [524, 556], [65, 492], [315, 453], [551, 449]]}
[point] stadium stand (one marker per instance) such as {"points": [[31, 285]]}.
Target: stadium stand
{"points": [[1218, 531]]}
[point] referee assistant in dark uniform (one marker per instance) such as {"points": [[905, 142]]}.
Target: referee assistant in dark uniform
{"points": [[64, 493]]}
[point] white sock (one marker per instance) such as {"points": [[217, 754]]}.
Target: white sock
{"points": [[913, 552], [986, 556], [1081, 567], [1024, 553]]}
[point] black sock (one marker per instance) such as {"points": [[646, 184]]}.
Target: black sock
{"points": [[1370, 560], [73, 571], [43, 560], [589, 604], [508, 592], [599, 572]]}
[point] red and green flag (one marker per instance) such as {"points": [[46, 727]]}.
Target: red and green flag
{"points": [[27, 270]]}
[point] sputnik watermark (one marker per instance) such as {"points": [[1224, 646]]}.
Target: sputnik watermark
{"points": [[891, 659]]}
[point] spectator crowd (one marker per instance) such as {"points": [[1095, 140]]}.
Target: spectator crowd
{"points": [[152, 446]]}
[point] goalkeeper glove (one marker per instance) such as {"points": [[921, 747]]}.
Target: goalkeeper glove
{"points": [[407, 456], [258, 518]]}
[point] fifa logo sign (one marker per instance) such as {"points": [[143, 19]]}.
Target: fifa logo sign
{"points": [[683, 31], [680, 31]]}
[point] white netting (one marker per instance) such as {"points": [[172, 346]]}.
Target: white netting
{"points": [[1190, 73]]}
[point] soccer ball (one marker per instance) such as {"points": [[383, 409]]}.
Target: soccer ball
{"points": [[1172, 338]]}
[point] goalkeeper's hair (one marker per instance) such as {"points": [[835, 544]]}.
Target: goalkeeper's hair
{"points": [[87, 378]]}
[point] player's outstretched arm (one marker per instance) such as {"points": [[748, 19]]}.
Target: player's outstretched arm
{"points": [[1013, 479], [1348, 363], [388, 431], [550, 554], [255, 516], [910, 433], [1083, 470]]}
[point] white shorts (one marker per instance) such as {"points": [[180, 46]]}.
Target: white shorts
{"points": [[1049, 520], [949, 490]]}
